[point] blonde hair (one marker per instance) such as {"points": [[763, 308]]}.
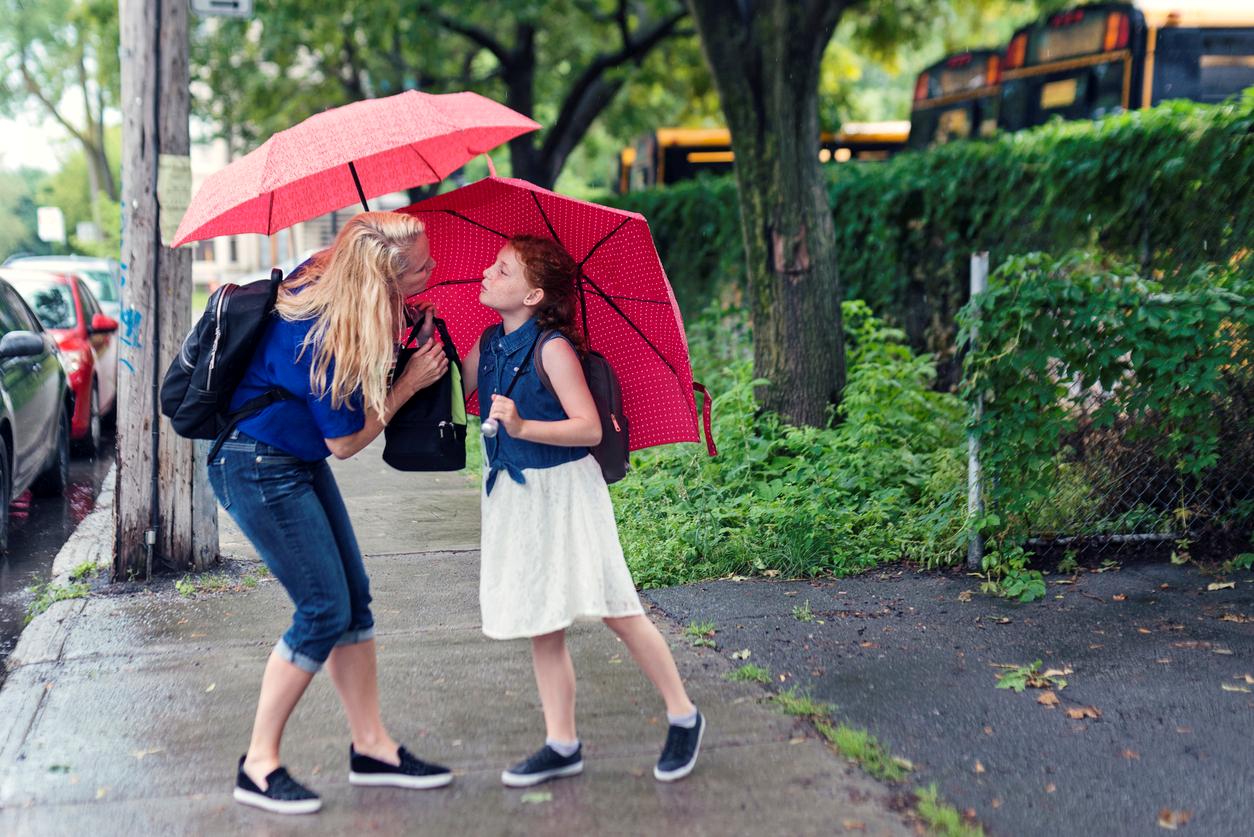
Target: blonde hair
{"points": [[353, 293]]}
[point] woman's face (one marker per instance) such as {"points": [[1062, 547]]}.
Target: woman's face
{"points": [[505, 286], [414, 279]]}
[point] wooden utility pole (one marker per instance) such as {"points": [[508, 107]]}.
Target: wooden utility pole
{"points": [[166, 516]]}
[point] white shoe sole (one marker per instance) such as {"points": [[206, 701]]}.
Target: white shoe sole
{"points": [[399, 780], [277, 806], [518, 780], [680, 772]]}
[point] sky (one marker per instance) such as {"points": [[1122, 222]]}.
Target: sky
{"points": [[34, 141]]}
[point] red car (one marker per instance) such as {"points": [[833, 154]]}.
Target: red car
{"points": [[87, 338]]}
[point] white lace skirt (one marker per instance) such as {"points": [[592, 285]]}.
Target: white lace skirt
{"points": [[550, 553]]}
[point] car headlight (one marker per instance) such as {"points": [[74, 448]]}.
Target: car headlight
{"points": [[73, 361]]}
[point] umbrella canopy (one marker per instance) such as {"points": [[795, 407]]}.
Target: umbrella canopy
{"points": [[346, 154], [627, 309]]}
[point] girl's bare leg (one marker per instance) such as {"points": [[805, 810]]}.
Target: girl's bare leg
{"points": [[653, 655], [555, 679]]}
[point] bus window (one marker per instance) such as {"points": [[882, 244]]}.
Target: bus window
{"points": [[956, 98], [1202, 65]]}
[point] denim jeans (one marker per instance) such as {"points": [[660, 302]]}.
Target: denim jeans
{"points": [[292, 511]]}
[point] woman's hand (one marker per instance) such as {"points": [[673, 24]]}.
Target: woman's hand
{"points": [[506, 414], [425, 367], [425, 310]]}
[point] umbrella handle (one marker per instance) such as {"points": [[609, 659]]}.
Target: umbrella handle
{"points": [[491, 168]]}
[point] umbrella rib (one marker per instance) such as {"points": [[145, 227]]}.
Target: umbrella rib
{"points": [[549, 224], [424, 160], [270, 214], [620, 313], [457, 214], [604, 239]]}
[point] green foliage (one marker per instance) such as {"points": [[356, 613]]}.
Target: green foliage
{"points": [[750, 673], [801, 705], [865, 749], [701, 634], [1018, 678], [45, 595], [802, 613], [83, 571], [942, 818], [1076, 342], [885, 482], [190, 586], [1165, 187]]}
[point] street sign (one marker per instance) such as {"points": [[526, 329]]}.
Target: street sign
{"points": [[50, 221], [223, 8]]}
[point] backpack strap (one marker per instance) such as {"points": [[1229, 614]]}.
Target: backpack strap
{"points": [[249, 408], [546, 336]]}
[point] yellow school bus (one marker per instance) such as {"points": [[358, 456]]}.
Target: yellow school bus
{"points": [[1089, 61], [669, 155]]}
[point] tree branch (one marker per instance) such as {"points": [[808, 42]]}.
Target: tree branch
{"points": [[473, 33], [33, 88]]}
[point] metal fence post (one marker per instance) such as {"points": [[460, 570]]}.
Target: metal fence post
{"points": [[975, 498]]}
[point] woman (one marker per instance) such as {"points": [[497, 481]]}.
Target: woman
{"points": [[330, 343]]}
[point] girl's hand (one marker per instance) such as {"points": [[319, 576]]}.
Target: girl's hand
{"points": [[506, 414], [424, 368]]}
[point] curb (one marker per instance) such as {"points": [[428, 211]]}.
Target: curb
{"points": [[93, 538]]}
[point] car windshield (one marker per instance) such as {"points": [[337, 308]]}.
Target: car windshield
{"points": [[50, 299], [101, 282]]}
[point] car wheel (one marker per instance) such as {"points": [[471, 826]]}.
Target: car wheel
{"points": [[90, 444], [53, 482], [6, 496]]}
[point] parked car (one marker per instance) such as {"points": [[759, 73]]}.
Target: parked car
{"points": [[88, 341], [103, 276], [36, 403]]}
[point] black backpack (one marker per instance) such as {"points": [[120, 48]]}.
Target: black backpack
{"points": [[612, 453], [197, 389], [428, 432]]}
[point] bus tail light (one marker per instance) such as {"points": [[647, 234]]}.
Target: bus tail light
{"points": [[992, 73], [920, 88], [1017, 51], [1117, 31]]}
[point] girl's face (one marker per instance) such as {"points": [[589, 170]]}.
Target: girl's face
{"points": [[414, 279], [505, 287]]}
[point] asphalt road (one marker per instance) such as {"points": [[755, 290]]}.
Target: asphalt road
{"points": [[1167, 667]]}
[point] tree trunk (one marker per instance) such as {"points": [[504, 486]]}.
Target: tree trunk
{"points": [[765, 60], [157, 291]]}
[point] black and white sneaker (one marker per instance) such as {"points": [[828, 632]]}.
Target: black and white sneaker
{"points": [[542, 765], [679, 755], [283, 794], [412, 772]]}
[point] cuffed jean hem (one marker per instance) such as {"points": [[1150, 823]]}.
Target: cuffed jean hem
{"points": [[355, 635], [301, 661]]}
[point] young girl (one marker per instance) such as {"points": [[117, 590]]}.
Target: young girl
{"points": [[550, 547]]}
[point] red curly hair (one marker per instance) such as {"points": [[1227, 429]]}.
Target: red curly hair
{"points": [[550, 268]]}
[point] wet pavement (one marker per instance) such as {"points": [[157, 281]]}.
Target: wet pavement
{"points": [[37, 530], [1154, 722], [124, 713]]}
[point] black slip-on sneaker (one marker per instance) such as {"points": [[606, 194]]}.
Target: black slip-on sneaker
{"points": [[679, 755], [542, 765], [412, 772], [283, 794]]}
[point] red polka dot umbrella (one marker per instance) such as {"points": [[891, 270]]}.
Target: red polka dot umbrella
{"points": [[345, 155], [627, 308]]}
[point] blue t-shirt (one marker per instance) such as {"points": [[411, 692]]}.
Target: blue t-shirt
{"points": [[297, 425]]}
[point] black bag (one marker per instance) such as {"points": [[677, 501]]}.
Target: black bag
{"points": [[612, 453], [197, 388], [428, 432]]}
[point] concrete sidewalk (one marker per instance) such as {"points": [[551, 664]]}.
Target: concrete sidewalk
{"points": [[125, 713]]}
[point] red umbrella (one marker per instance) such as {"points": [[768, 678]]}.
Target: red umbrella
{"points": [[346, 154], [627, 309]]}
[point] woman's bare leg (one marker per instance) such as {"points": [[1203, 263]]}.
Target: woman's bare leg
{"points": [[354, 671], [281, 688]]}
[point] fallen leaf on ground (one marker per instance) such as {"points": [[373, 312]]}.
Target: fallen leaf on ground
{"points": [[979, 767], [1235, 617], [964, 596], [100, 792], [1047, 699], [212, 686], [791, 593], [1226, 651], [1130, 754], [1171, 820], [1144, 631], [1249, 678], [853, 825], [988, 730], [1228, 687], [742, 654], [1220, 585], [536, 797], [1163, 660], [1002, 620], [996, 803], [1119, 597], [1078, 712], [1051, 787], [1058, 672], [141, 754]]}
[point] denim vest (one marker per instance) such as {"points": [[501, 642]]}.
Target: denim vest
{"points": [[498, 364]]}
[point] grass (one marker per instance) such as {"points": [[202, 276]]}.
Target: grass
{"points": [[84, 571], [190, 586], [941, 817], [749, 673], [802, 613], [865, 749], [48, 594], [801, 705], [701, 634]]}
